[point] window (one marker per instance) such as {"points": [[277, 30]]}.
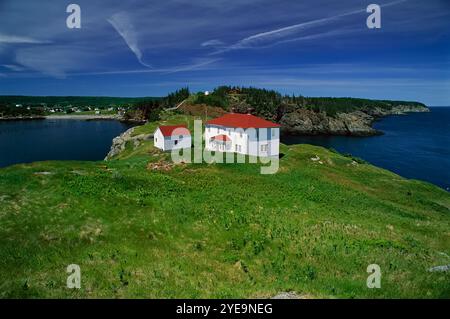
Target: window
{"points": [[235, 148], [264, 148], [156, 139], [273, 132], [176, 142]]}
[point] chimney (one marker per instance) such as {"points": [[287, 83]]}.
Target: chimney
{"points": [[250, 110], [233, 110]]}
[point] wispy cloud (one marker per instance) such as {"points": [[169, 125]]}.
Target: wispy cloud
{"points": [[13, 67], [313, 36], [196, 64], [57, 62], [269, 37], [213, 43], [281, 35], [13, 39], [300, 39], [123, 25]]}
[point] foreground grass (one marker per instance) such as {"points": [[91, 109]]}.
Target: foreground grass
{"points": [[221, 230]]}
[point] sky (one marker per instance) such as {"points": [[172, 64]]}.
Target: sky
{"points": [[150, 48]]}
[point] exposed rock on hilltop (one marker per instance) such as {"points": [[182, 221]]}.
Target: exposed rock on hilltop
{"points": [[397, 110], [304, 115], [307, 122], [357, 123]]}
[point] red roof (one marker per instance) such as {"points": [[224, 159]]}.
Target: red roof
{"points": [[167, 130], [242, 121], [221, 138]]}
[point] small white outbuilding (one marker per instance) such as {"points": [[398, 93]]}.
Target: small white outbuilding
{"points": [[170, 137]]}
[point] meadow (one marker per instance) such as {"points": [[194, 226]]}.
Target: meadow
{"points": [[141, 230]]}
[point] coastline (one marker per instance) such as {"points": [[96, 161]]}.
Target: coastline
{"points": [[304, 122], [83, 117], [73, 117], [301, 122], [20, 118], [62, 117]]}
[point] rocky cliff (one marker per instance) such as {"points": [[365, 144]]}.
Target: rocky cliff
{"points": [[358, 123], [126, 138]]}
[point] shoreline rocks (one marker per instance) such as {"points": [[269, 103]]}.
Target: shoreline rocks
{"points": [[356, 123], [120, 142]]}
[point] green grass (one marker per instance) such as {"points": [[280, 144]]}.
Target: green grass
{"points": [[168, 118], [220, 230]]}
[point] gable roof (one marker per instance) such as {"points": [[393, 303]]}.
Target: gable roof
{"points": [[167, 130], [239, 120], [221, 138]]}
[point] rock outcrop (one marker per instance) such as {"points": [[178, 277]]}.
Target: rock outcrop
{"points": [[358, 123], [440, 268], [127, 137]]}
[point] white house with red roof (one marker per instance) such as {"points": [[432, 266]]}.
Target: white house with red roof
{"points": [[244, 134], [170, 137]]}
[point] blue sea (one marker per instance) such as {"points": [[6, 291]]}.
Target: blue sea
{"points": [[39, 140], [415, 146]]}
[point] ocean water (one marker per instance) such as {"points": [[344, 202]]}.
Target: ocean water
{"points": [[39, 140], [415, 146]]}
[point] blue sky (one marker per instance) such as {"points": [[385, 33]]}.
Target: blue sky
{"points": [[149, 48]]}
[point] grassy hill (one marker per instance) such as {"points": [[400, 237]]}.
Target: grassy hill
{"points": [[222, 230]]}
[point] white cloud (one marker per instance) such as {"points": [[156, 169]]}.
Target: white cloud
{"points": [[13, 39], [196, 64], [212, 43], [277, 35], [282, 35], [13, 67], [122, 24], [56, 62], [47, 63]]}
